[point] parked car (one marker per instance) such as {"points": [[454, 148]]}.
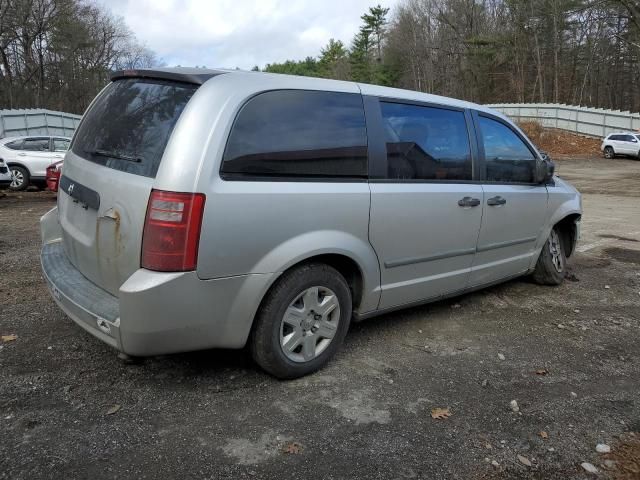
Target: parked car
{"points": [[5, 175], [250, 208], [621, 143], [53, 175], [29, 157]]}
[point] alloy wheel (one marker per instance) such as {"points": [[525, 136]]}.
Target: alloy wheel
{"points": [[17, 178], [309, 324]]}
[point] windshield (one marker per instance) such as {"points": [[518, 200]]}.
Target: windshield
{"points": [[128, 126]]}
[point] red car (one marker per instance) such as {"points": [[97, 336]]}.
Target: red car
{"points": [[53, 175]]}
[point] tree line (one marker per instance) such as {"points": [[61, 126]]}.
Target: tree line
{"points": [[582, 52], [58, 54]]}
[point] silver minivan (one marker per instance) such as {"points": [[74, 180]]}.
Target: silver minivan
{"points": [[216, 209]]}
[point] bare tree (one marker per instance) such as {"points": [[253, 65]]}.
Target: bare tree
{"points": [[59, 53]]}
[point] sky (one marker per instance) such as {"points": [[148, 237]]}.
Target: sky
{"points": [[240, 33]]}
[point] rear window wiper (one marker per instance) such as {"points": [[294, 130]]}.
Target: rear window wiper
{"points": [[116, 155]]}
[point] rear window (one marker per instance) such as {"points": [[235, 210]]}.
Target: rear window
{"points": [[128, 126], [297, 133]]}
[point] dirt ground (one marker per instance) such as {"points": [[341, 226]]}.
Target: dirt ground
{"points": [[558, 142], [70, 409]]}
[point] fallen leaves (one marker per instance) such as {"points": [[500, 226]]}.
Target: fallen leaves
{"points": [[588, 467], [542, 371], [524, 460], [440, 413], [544, 434], [292, 448], [9, 338], [113, 409]]}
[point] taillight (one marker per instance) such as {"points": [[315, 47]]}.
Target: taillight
{"points": [[172, 231]]}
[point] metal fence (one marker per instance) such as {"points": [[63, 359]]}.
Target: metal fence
{"points": [[37, 121], [593, 122]]}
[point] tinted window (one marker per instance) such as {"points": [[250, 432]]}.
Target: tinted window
{"points": [[36, 144], [426, 143], [295, 133], [15, 145], [628, 138], [60, 145], [507, 157], [128, 126], [615, 137]]}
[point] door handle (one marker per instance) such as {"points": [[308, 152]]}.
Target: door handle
{"points": [[468, 202], [22, 154], [495, 201]]}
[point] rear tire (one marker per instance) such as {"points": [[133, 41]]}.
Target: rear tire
{"points": [[19, 178], [609, 152], [302, 321], [552, 262]]}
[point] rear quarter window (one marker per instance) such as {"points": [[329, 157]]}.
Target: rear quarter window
{"points": [[15, 145], [128, 126], [297, 134]]}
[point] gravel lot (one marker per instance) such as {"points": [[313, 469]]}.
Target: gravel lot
{"points": [[368, 414]]}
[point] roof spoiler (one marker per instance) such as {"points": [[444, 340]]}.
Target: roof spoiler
{"points": [[193, 78]]}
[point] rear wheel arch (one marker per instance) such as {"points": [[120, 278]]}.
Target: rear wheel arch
{"points": [[11, 163], [346, 266]]}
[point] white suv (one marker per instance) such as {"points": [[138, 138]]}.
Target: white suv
{"points": [[621, 143], [29, 157]]}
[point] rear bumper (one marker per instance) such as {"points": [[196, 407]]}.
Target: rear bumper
{"points": [[154, 313], [89, 306]]}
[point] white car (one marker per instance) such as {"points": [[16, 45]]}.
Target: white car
{"points": [[621, 143], [29, 157], [5, 175]]}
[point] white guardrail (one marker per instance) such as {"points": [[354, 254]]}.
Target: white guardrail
{"points": [[592, 122], [37, 121]]}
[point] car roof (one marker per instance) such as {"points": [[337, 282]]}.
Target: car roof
{"points": [[623, 133], [22, 137], [201, 75]]}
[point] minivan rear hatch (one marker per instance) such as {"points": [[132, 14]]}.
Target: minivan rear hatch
{"points": [[108, 173]]}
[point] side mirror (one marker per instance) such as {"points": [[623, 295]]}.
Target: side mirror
{"points": [[545, 168]]}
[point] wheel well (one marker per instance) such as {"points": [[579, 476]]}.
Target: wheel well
{"points": [[568, 232], [16, 164], [347, 267]]}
